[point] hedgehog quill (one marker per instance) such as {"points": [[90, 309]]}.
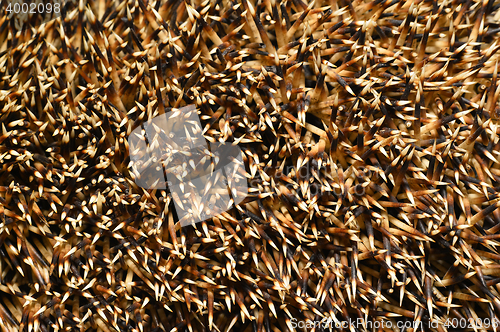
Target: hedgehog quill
{"points": [[370, 138]]}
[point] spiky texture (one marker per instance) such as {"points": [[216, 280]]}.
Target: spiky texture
{"points": [[372, 147]]}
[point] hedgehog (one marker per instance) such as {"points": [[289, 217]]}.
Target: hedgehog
{"points": [[370, 137]]}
